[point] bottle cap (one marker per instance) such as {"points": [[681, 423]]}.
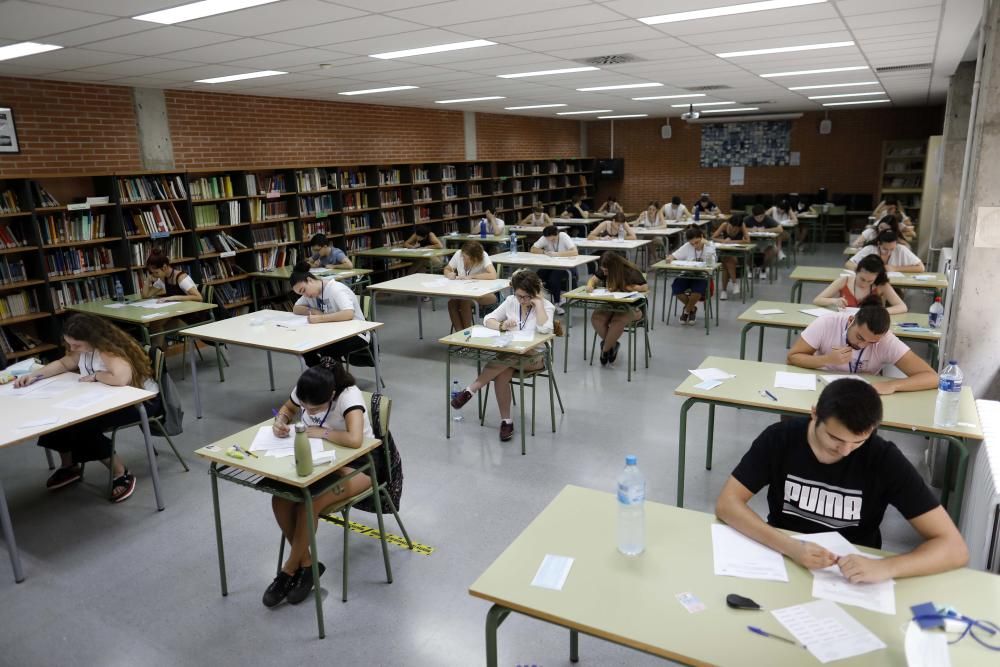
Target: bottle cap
{"points": [[937, 298], [630, 460], [953, 362], [300, 427]]}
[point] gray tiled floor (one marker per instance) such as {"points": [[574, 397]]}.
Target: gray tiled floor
{"points": [[127, 585]]}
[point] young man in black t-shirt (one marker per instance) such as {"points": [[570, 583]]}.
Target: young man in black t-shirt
{"points": [[831, 472]]}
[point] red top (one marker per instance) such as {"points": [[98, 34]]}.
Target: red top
{"points": [[848, 294]]}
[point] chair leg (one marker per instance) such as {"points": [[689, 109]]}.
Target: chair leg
{"points": [[184, 354], [534, 385], [170, 442], [555, 385], [486, 399], [49, 459], [552, 400], [220, 361], [395, 514], [281, 553], [347, 530], [593, 344]]}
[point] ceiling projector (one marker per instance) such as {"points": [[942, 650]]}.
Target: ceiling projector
{"points": [[690, 114]]}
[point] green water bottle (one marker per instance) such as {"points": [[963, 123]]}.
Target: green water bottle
{"points": [[303, 453]]}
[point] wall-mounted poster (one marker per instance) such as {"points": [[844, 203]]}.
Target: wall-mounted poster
{"points": [[762, 143], [8, 136]]}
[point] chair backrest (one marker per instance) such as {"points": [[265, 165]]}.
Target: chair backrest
{"points": [[366, 306], [384, 411], [157, 360]]}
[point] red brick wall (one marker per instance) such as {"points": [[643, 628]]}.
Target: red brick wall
{"points": [[500, 137], [845, 161], [70, 127]]}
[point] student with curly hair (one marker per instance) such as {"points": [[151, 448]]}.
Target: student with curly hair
{"points": [[469, 263]]}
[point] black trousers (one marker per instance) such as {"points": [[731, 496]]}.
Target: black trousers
{"points": [[86, 441], [338, 350], [555, 281]]}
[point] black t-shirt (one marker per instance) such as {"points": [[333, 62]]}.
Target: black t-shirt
{"points": [[849, 496], [768, 222], [705, 207], [576, 210]]}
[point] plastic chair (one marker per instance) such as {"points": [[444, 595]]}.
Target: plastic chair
{"points": [[632, 329], [835, 219], [367, 355], [530, 383]]}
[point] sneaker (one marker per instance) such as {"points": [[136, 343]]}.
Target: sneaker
{"points": [[459, 401], [560, 310], [723, 295], [684, 317], [506, 431], [736, 289], [303, 584], [613, 353], [762, 274], [604, 358], [64, 477], [278, 590], [425, 299], [692, 316], [781, 255], [122, 487]]}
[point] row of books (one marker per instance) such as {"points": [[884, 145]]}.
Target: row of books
{"points": [[451, 211], [357, 243], [353, 178], [317, 205], [12, 271], [422, 194], [448, 172], [211, 187], [221, 242], [309, 180], [156, 218], [80, 291], [213, 215], [18, 304], [352, 201], [233, 292], [392, 218], [261, 184], [9, 202], [395, 238], [422, 214], [262, 209], [42, 196], [421, 175], [17, 339], [139, 251], [356, 223], [388, 177], [390, 197], [275, 258], [476, 171], [220, 269], [449, 191], [84, 227], [12, 235], [310, 229], [71, 261], [274, 234], [475, 189], [150, 188]]}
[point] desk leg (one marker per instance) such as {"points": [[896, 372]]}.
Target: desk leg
{"points": [[567, 317], [743, 340], [447, 395], [379, 382], [253, 292], [420, 317], [760, 345], [270, 369], [952, 496], [574, 646], [681, 447], [796, 296], [154, 471], [494, 618], [711, 435], [308, 500], [717, 276], [8, 537], [520, 376], [663, 298], [218, 530], [194, 379], [145, 335]]}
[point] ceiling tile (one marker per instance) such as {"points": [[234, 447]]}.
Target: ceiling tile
{"points": [[66, 59], [890, 20], [856, 7], [345, 31], [23, 21], [463, 11], [159, 41], [101, 31], [231, 50], [140, 67], [586, 15], [915, 28], [383, 5], [289, 60], [117, 7], [285, 15]]}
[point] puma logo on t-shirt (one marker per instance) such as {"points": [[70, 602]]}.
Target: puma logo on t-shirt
{"points": [[830, 506]]}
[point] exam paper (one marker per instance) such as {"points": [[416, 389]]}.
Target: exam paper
{"points": [[686, 262], [315, 446], [830, 584], [895, 274], [43, 421], [478, 331], [833, 378], [151, 303], [925, 276], [816, 312], [710, 374], [552, 572], [707, 385], [114, 305], [84, 400], [290, 321], [827, 631], [770, 311], [624, 295], [925, 648], [523, 336], [800, 381], [736, 555], [266, 440]]}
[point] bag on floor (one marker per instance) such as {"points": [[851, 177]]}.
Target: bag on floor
{"points": [[173, 413]]}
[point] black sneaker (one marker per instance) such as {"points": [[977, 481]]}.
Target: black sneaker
{"points": [[278, 590], [613, 353], [303, 584], [604, 358], [684, 317], [64, 477], [692, 316]]}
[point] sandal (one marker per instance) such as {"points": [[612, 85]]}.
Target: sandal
{"points": [[122, 487]]}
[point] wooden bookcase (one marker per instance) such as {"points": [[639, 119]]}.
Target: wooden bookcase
{"points": [[903, 165]]}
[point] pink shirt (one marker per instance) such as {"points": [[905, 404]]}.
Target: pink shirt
{"points": [[830, 331]]}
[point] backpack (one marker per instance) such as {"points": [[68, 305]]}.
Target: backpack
{"points": [[389, 468], [173, 414]]}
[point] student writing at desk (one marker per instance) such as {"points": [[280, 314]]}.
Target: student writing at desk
{"points": [[102, 353], [612, 229], [896, 257], [611, 205], [675, 210], [325, 254], [615, 274], [732, 231], [169, 284], [576, 208], [553, 243], [537, 218], [861, 343], [423, 237], [869, 280], [469, 263], [494, 225], [689, 291], [705, 206], [891, 206], [870, 233], [327, 301], [760, 221], [831, 471], [651, 217]]}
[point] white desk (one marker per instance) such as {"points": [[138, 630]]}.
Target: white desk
{"points": [[536, 261], [40, 401], [258, 330], [627, 246]]}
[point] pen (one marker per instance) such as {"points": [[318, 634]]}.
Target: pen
{"points": [[765, 633], [769, 395], [245, 451]]}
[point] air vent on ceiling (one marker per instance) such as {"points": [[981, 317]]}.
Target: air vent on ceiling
{"points": [[702, 89], [757, 102], [616, 59], [902, 68]]}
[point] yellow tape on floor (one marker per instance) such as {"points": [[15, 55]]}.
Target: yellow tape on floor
{"points": [[368, 531]]}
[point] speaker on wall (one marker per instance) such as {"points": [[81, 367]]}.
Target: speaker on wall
{"points": [[666, 131]]}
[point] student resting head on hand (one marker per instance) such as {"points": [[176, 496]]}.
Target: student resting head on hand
{"points": [[326, 300]]}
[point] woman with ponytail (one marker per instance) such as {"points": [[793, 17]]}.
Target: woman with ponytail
{"points": [[327, 301]]}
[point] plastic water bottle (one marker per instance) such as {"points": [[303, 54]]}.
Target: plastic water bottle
{"points": [[482, 228], [513, 243], [119, 291], [949, 395], [631, 512], [709, 254], [303, 452], [697, 213], [621, 232], [936, 314], [456, 389]]}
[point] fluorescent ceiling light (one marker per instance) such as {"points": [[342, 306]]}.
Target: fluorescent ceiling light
{"points": [[534, 106], [727, 11], [840, 104], [669, 97], [470, 99], [22, 49], [827, 97], [376, 90], [627, 115], [785, 49], [240, 77], [439, 48], [814, 71], [199, 10], [546, 72], [836, 85], [619, 87], [700, 104], [575, 113], [731, 110]]}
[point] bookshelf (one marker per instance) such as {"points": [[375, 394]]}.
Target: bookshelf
{"points": [[903, 166]]}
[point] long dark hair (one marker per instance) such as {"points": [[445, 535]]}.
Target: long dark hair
{"points": [[106, 337], [157, 259], [893, 223], [616, 271], [300, 274], [874, 264], [323, 382]]}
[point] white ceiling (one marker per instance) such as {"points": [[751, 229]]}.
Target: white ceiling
{"points": [[103, 45]]}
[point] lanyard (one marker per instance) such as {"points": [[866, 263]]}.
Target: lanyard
{"points": [[321, 421], [857, 364], [90, 368], [522, 317]]}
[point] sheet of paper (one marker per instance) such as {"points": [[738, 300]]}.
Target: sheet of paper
{"points": [[600, 291], [895, 274], [880, 597], [708, 385], [84, 400], [523, 336], [833, 378], [552, 572], [152, 303], [478, 331], [827, 631], [816, 312], [315, 446], [325, 457], [770, 311], [291, 321], [35, 423], [710, 374], [800, 381], [686, 262], [624, 295], [925, 648], [925, 276], [266, 439], [736, 555], [33, 387], [114, 305]]}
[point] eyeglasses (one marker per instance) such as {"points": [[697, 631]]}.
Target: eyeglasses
{"points": [[522, 297]]}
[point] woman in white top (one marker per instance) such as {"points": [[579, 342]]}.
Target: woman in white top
{"points": [[494, 225], [870, 233], [689, 291], [610, 206], [675, 210], [553, 243], [652, 217], [537, 218], [328, 301], [524, 311], [327, 401], [609, 229], [100, 352], [469, 263], [895, 256], [891, 206]]}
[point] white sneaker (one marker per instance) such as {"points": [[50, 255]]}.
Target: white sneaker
{"points": [[781, 255], [723, 296], [559, 310], [735, 289], [762, 275]]}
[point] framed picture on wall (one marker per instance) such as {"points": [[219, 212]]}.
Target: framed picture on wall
{"points": [[8, 135]]}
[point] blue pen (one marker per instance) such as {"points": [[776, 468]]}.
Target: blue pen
{"points": [[765, 633], [765, 392]]}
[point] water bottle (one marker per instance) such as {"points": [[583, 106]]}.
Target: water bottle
{"points": [[709, 254], [482, 228], [621, 232], [949, 395], [303, 452], [513, 243], [697, 213], [119, 291], [631, 514], [455, 391], [936, 314]]}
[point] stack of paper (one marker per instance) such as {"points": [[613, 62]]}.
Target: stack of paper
{"points": [[686, 262], [710, 377], [895, 274], [800, 381], [816, 312], [770, 311], [736, 555], [925, 276], [830, 584], [266, 441], [827, 631], [478, 331]]}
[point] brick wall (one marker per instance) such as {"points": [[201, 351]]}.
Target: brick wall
{"points": [[845, 161], [500, 137], [70, 127]]}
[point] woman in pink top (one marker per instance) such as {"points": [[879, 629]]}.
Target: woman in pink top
{"points": [[861, 343]]}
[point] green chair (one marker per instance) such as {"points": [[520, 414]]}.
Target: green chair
{"points": [[530, 377], [632, 329], [220, 357], [366, 355], [835, 219]]}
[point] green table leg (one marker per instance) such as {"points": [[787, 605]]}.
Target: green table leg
{"points": [[549, 353], [760, 345], [270, 369], [743, 339], [520, 376], [145, 335], [447, 395], [711, 436], [494, 618], [574, 646], [566, 318], [218, 528], [681, 449], [307, 498]]}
